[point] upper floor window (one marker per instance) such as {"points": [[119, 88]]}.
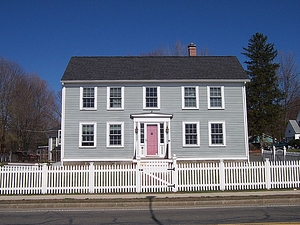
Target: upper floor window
{"points": [[215, 97], [115, 97], [190, 98], [151, 97], [191, 134], [88, 98], [217, 135], [87, 135]]}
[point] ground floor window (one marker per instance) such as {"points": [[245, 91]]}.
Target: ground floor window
{"points": [[217, 133], [87, 135], [191, 134], [115, 134]]}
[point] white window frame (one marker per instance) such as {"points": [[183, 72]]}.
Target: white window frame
{"points": [[108, 134], [223, 130], [183, 97], [108, 99], [95, 99], [183, 135], [158, 97], [222, 97], [80, 134]]}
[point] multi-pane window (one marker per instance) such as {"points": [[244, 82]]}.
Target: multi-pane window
{"points": [[162, 133], [191, 134], [189, 97], [216, 97], [115, 97], [115, 134], [142, 133], [151, 97], [217, 134], [87, 135], [88, 97]]}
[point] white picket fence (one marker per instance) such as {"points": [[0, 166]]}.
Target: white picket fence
{"points": [[149, 176]]}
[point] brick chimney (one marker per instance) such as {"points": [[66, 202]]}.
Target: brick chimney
{"points": [[192, 49]]}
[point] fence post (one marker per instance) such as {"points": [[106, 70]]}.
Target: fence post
{"points": [[138, 174], [274, 153], [91, 178], [268, 174], [175, 174], [284, 153], [44, 178], [222, 175]]}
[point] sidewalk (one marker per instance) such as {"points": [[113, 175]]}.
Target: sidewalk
{"points": [[155, 199]]}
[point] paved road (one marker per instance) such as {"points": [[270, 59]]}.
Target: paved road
{"points": [[262, 214]]}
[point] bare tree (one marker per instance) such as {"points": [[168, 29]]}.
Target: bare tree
{"points": [[288, 75], [178, 49], [28, 107]]}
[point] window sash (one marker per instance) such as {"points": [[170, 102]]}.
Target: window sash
{"points": [[115, 97], [88, 98], [115, 134], [191, 134], [190, 97], [217, 133], [216, 97], [88, 135], [151, 97]]}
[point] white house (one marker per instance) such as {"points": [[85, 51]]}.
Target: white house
{"points": [[292, 131], [117, 109]]}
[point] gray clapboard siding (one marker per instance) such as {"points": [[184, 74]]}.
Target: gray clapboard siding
{"points": [[171, 103]]}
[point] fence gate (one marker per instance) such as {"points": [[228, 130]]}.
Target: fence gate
{"points": [[156, 176]]}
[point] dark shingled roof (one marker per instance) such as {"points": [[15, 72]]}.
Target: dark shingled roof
{"points": [[154, 68]]}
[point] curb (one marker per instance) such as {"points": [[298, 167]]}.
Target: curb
{"points": [[149, 203]]}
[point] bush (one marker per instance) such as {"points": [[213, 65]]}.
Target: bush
{"points": [[295, 143]]}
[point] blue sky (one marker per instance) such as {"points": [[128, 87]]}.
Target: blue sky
{"points": [[42, 35]]}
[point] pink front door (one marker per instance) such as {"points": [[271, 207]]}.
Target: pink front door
{"points": [[152, 138]]}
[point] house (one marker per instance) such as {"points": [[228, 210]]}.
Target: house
{"points": [[54, 144], [292, 131], [118, 109]]}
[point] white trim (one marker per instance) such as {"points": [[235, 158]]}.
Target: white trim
{"points": [[63, 117], [97, 160], [223, 130], [95, 99], [222, 97], [80, 134], [183, 97], [108, 98], [245, 121], [183, 135], [152, 116], [158, 97], [181, 81], [107, 134], [212, 159]]}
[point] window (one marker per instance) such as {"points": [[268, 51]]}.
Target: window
{"points": [[151, 97], [190, 97], [115, 134], [59, 137], [87, 135], [142, 133], [115, 97], [217, 136], [215, 97], [162, 133], [88, 96], [191, 134]]}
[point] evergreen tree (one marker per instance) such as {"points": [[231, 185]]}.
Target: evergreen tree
{"points": [[263, 93]]}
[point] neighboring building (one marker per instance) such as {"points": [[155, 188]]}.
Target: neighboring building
{"points": [[123, 108], [54, 143], [292, 131]]}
